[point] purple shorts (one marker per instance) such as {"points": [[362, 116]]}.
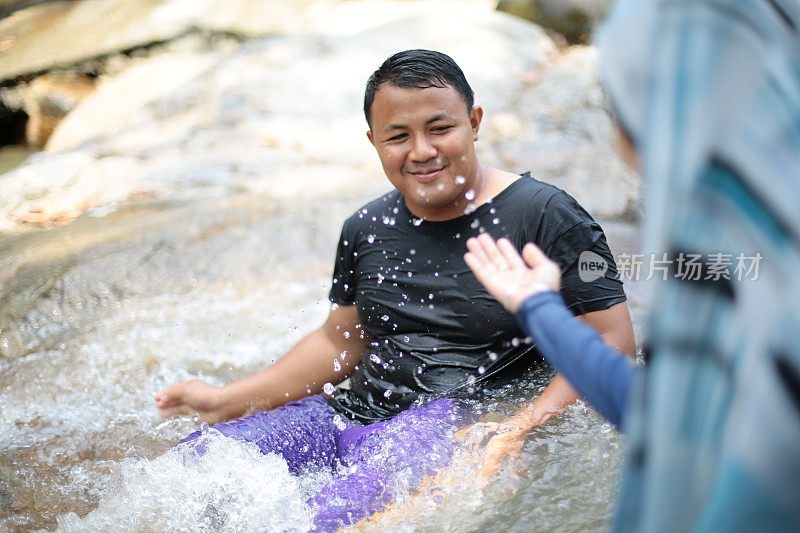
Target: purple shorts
{"points": [[372, 458]]}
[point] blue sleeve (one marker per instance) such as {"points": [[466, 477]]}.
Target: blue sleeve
{"points": [[599, 373]]}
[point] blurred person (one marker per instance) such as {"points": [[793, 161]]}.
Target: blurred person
{"points": [[707, 98], [409, 324]]}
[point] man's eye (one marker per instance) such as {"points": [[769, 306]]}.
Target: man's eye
{"points": [[396, 138], [440, 129]]}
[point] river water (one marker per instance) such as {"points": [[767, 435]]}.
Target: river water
{"points": [[145, 297]]}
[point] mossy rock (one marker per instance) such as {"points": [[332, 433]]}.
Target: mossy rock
{"points": [[574, 19]]}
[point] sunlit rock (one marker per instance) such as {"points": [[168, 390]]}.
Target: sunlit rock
{"points": [[66, 33], [117, 104], [569, 137]]}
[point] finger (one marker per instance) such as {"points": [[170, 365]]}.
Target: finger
{"points": [[176, 411], [510, 254], [168, 397], [478, 267], [534, 256], [492, 252], [474, 246]]}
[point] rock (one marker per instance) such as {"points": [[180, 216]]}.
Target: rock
{"points": [[58, 284], [48, 99], [574, 19], [280, 116], [57, 189], [69, 32], [569, 138], [114, 106]]}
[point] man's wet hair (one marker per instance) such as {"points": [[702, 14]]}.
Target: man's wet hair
{"points": [[418, 69]]}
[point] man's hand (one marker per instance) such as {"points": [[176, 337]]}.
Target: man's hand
{"points": [[503, 446], [505, 275], [191, 398]]}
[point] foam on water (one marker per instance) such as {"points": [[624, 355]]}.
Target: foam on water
{"points": [[231, 487]]}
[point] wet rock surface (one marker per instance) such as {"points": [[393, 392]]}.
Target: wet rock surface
{"points": [[56, 284]]}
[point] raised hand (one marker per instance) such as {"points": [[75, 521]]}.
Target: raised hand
{"points": [[504, 273]]}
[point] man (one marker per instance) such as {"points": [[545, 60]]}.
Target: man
{"points": [[409, 322]]}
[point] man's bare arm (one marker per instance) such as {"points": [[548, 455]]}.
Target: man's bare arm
{"points": [[328, 354], [614, 326]]}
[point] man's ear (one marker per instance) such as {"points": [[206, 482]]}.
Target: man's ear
{"points": [[475, 117], [370, 137]]}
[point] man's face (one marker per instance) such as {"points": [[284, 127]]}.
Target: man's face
{"points": [[425, 140]]}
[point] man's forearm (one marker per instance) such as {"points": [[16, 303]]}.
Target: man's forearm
{"points": [[326, 355], [559, 394], [304, 370], [556, 397]]}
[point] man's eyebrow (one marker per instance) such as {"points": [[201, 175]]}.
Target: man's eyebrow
{"points": [[434, 118]]}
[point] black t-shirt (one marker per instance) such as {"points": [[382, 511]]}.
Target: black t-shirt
{"points": [[436, 330]]}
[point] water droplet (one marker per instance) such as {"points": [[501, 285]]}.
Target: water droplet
{"points": [[471, 379], [370, 238], [460, 180], [346, 334], [337, 366], [515, 342], [328, 389], [496, 221], [412, 251], [481, 370], [387, 393], [492, 356], [475, 224], [374, 358], [416, 221], [386, 318], [470, 208], [339, 423], [470, 194], [345, 243], [430, 296]]}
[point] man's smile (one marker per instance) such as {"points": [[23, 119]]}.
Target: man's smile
{"points": [[426, 175]]}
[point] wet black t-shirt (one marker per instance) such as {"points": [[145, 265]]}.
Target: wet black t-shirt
{"points": [[436, 330]]}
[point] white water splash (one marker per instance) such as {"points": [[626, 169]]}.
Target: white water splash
{"points": [[232, 487]]}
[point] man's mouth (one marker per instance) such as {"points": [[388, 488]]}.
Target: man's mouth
{"points": [[426, 175]]}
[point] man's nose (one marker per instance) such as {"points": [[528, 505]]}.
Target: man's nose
{"points": [[422, 149]]}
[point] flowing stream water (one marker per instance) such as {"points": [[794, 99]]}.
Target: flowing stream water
{"points": [[98, 316]]}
